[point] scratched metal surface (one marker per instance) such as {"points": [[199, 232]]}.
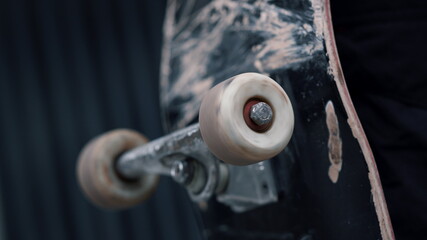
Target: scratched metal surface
{"points": [[322, 176]]}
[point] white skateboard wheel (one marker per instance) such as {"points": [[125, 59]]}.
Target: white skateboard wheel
{"points": [[223, 113], [100, 181]]}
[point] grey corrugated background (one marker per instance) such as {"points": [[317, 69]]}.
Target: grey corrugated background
{"points": [[70, 70]]}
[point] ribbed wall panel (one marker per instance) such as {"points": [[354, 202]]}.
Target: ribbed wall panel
{"points": [[70, 70]]}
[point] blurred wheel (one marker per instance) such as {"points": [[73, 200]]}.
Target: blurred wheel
{"points": [[98, 177]]}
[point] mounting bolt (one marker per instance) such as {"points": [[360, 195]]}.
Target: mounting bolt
{"points": [[261, 113], [181, 171]]}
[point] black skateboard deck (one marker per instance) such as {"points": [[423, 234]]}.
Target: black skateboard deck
{"points": [[327, 181]]}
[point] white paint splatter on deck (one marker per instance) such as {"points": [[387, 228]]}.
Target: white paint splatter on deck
{"points": [[199, 38], [334, 142]]}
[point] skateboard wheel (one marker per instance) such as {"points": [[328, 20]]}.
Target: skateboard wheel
{"points": [[98, 177], [224, 125]]}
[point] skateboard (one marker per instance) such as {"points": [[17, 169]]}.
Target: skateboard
{"points": [[262, 130]]}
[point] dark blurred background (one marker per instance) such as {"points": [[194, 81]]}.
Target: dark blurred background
{"points": [[70, 70], [382, 50]]}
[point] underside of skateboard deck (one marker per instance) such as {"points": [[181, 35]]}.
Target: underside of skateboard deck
{"points": [[326, 179]]}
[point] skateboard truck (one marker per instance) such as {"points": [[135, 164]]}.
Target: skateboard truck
{"points": [[182, 155], [243, 121]]}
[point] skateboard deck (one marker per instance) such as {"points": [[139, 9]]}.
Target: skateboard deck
{"points": [[327, 183]]}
